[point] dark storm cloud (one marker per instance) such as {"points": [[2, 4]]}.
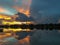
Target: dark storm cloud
{"points": [[43, 10], [46, 11]]}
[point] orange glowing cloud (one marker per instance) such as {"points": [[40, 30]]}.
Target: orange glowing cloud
{"points": [[25, 41], [24, 8], [2, 9]]}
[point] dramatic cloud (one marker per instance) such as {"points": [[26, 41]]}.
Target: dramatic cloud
{"points": [[22, 6]]}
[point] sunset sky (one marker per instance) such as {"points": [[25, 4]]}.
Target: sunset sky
{"points": [[42, 11], [18, 5]]}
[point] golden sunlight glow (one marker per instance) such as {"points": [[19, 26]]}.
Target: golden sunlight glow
{"points": [[15, 22], [5, 35], [2, 16], [8, 34], [15, 30]]}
